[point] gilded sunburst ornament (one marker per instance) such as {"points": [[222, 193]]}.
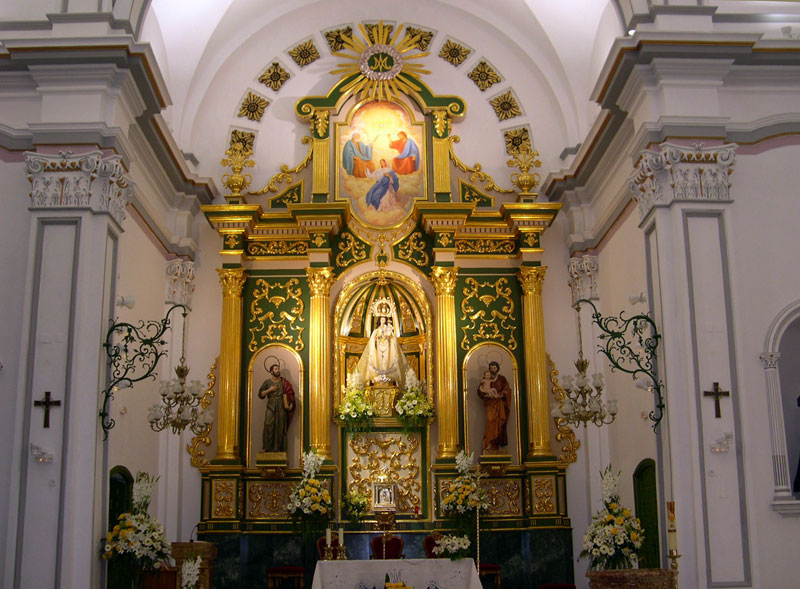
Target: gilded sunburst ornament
{"points": [[484, 76], [383, 68], [515, 139], [505, 106], [274, 76], [373, 28], [336, 37], [244, 138], [304, 53], [423, 37], [253, 107], [454, 53]]}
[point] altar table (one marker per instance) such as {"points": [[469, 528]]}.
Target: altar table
{"points": [[419, 573]]}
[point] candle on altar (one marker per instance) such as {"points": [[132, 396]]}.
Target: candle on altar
{"points": [[672, 531], [341, 536], [328, 537]]}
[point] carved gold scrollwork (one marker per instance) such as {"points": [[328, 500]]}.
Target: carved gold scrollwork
{"points": [[504, 496], [565, 433], [277, 248], [413, 250], [543, 491], [395, 456], [277, 311], [485, 246], [441, 122], [268, 500], [476, 173], [203, 438], [285, 175], [351, 250], [487, 313], [222, 498]]}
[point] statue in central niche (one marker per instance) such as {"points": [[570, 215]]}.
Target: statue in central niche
{"points": [[383, 363]]}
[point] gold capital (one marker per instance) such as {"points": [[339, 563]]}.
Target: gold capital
{"points": [[232, 281], [531, 279], [320, 280], [443, 279]]}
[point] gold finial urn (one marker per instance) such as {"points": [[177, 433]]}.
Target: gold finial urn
{"points": [[237, 158], [525, 180]]}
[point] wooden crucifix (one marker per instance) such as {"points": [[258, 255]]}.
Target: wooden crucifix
{"points": [[717, 393], [46, 403]]}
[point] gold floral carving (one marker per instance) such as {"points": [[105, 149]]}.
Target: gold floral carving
{"points": [[484, 76], [232, 280], [506, 106], [394, 455], [253, 107], [413, 250], [476, 172], [320, 281], [318, 239], [487, 313], [441, 122], [279, 323], [423, 37], [444, 239], [454, 53], [407, 316], [222, 498], [504, 496], [293, 194], [443, 279], [565, 434], [319, 120], [274, 76], [304, 53], [471, 194], [280, 247], [197, 453], [525, 159], [246, 139], [531, 239], [515, 139], [336, 38], [237, 158], [285, 175], [231, 241], [485, 246], [268, 500], [357, 320], [531, 279], [356, 249], [543, 491]]}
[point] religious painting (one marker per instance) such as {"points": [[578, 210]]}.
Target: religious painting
{"points": [[380, 163], [275, 393], [491, 401]]}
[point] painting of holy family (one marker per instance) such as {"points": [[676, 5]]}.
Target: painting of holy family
{"points": [[381, 163]]}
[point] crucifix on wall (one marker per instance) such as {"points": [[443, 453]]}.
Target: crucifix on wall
{"points": [[46, 403], [717, 393]]}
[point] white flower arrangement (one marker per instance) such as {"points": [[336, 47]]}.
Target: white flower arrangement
{"points": [[614, 538], [310, 503], [464, 496], [190, 572], [354, 410], [136, 534], [413, 408], [452, 546]]}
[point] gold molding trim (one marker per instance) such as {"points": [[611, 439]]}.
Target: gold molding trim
{"points": [[285, 175], [565, 433], [476, 173], [197, 454], [268, 500]]}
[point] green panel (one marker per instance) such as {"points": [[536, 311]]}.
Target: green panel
{"points": [[470, 193], [293, 194], [416, 249], [348, 250]]}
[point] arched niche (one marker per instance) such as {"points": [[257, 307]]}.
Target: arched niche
{"points": [[354, 321]]}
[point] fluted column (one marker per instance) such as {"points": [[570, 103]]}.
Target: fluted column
{"points": [[531, 278], [319, 355], [780, 463], [444, 281], [230, 362]]}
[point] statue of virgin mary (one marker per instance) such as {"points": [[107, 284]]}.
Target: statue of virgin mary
{"points": [[383, 361]]}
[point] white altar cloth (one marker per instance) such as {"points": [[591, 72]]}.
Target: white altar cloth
{"points": [[419, 573]]}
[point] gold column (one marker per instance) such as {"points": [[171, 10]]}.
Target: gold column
{"points": [[444, 281], [230, 363], [319, 361], [531, 278]]}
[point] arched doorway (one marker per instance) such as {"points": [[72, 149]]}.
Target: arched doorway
{"points": [[646, 498]]}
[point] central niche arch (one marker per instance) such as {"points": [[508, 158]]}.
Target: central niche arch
{"points": [[354, 321]]}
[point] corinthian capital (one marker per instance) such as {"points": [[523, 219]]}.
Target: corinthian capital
{"points": [[770, 359], [531, 279], [180, 282], [583, 278], [320, 281], [443, 279], [232, 280]]}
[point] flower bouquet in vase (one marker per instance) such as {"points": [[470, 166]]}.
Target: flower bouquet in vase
{"points": [[354, 506], [453, 546], [310, 503], [355, 411], [464, 496], [138, 541], [413, 408]]}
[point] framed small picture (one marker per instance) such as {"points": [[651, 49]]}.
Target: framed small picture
{"points": [[384, 496]]}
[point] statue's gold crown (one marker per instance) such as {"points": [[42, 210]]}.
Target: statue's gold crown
{"points": [[383, 307]]}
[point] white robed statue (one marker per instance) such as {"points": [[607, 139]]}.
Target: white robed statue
{"points": [[383, 361]]}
